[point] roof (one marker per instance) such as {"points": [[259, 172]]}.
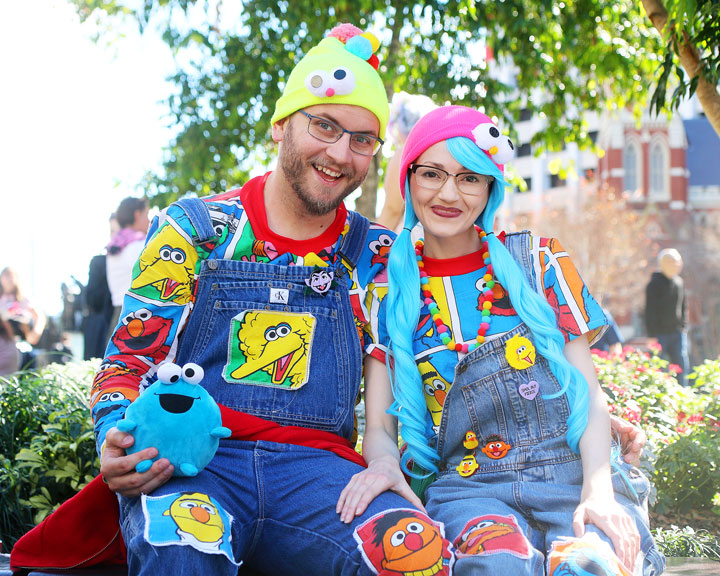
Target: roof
{"points": [[703, 152]]}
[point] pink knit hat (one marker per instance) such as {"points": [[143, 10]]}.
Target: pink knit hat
{"points": [[451, 121]]}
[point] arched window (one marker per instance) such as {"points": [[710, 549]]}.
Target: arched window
{"points": [[631, 163], [659, 171]]}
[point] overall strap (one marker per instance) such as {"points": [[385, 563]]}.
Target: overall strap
{"points": [[519, 244], [354, 241], [199, 215]]}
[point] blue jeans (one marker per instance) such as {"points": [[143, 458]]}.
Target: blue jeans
{"points": [[506, 511], [675, 350], [282, 502]]}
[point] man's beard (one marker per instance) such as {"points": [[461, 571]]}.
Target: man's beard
{"points": [[294, 168]]}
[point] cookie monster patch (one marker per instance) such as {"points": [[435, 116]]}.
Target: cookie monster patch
{"points": [[188, 519], [269, 348]]}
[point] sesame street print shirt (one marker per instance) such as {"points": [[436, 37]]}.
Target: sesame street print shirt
{"points": [[160, 300]]}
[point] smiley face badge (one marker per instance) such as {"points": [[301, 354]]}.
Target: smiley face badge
{"points": [[495, 447], [468, 465], [520, 352]]}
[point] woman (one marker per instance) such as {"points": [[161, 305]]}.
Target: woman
{"points": [[494, 383], [27, 323]]}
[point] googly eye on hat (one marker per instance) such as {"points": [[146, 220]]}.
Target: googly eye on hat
{"points": [[341, 69]]}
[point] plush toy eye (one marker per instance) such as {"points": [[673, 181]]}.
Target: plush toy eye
{"points": [[192, 373], [169, 373]]}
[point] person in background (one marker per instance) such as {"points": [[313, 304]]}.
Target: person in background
{"points": [[124, 248], [98, 307], [26, 321], [9, 354], [612, 340], [666, 310]]}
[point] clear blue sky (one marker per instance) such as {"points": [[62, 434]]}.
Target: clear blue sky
{"points": [[80, 123]]}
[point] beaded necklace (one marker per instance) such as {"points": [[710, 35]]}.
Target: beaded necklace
{"points": [[485, 301]]}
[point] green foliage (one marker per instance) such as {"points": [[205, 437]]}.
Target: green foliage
{"points": [[232, 63], [695, 23], [686, 542], [682, 424], [47, 448]]}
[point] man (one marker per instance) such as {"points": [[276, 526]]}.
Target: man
{"points": [[274, 291], [666, 311]]}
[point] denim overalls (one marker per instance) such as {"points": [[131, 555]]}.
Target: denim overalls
{"points": [[514, 506], [281, 497]]}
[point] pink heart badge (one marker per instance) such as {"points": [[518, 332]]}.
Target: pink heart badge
{"points": [[529, 390]]}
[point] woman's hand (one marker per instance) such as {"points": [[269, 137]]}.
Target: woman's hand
{"points": [[631, 437], [118, 468], [612, 519], [381, 474]]}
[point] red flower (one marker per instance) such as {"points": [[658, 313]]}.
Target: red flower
{"points": [[681, 416], [655, 346], [675, 368], [681, 429], [695, 418], [632, 416]]}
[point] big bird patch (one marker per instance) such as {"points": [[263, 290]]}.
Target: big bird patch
{"points": [[270, 349]]}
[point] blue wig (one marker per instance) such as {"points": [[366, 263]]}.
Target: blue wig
{"points": [[403, 313]]}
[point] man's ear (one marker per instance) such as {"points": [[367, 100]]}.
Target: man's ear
{"points": [[278, 129]]}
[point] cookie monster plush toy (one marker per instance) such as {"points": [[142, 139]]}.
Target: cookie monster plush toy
{"points": [[178, 417]]}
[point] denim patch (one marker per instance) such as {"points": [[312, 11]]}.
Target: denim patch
{"points": [[404, 541], [188, 519], [492, 534], [269, 348], [586, 556]]}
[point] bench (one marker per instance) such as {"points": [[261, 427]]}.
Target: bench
{"points": [[675, 567]]}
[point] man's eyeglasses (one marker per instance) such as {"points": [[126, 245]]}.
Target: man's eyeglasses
{"points": [[327, 131], [434, 178]]}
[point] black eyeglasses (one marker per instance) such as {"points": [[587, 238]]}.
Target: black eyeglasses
{"points": [[327, 131], [434, 178]]}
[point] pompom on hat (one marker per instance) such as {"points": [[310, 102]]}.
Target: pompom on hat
{"points": [[450, 122], [341, 69]]}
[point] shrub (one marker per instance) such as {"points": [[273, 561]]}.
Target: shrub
{"points": [[682, 455], [46, 443], [687, 542]]}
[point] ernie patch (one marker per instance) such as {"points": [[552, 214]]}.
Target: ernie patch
{"points": [[270, 349], [188, 519], [587, 555], [402, 542], [492, 534]]}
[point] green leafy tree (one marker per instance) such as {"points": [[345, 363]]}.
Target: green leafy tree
{"points": [[566, 57]]}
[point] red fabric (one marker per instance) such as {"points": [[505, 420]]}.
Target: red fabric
{"points": [[252, 197], [247, 427], [85, 530]]}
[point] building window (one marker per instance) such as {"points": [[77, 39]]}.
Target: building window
{"points": [[631, 163], [524, 149], [556, 181], [659, 171]]}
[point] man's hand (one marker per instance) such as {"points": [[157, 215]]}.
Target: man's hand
{"points": [[118, 468], [632, 439]]}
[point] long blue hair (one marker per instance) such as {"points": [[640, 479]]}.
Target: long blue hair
{"points": [[403, 313]]}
